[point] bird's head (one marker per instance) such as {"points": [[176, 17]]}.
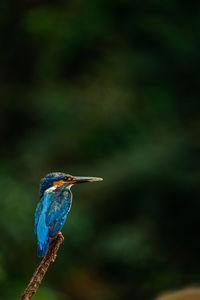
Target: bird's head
{"points": [[59, 179]]}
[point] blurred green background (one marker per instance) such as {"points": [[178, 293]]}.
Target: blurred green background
{"points": [[110, 89]]}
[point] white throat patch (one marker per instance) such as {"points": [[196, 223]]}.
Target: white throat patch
{"points": [[69, 186], [54, 187], [51, 189]]}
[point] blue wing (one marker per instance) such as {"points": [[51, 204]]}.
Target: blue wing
{"points": [[41, 228], [58, 210], [50, 215], [37, 214]]}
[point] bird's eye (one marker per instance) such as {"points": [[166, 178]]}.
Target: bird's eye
{"points": [[66, 178]]}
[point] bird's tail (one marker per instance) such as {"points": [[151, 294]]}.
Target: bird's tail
{"points": [[43, 247]]}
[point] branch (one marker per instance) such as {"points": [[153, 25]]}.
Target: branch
{"points": [[47, 260]]}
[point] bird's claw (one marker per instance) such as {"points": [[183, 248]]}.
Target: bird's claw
{"points": [[59, 233]]}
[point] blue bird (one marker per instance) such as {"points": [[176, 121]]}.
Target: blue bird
{"points": [[54, 205]]}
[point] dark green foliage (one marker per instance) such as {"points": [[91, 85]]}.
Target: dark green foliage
{"points": [[110, 89]]}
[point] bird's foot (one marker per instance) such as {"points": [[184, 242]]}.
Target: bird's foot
{"points": [[59, 233]]}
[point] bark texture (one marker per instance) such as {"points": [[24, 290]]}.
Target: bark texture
{"points": [[39, 273]]}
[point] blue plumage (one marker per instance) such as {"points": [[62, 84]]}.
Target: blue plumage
{"points": [[47, 181], [54, 205], [58, 210], [51, 213]]}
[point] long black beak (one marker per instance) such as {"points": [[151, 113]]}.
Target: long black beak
{"points": [[82, 179]]}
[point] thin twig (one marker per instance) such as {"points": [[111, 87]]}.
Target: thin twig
{"points": [[47, 260]]}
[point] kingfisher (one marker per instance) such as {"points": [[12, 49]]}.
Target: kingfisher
{"points": [[54, 205]]}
